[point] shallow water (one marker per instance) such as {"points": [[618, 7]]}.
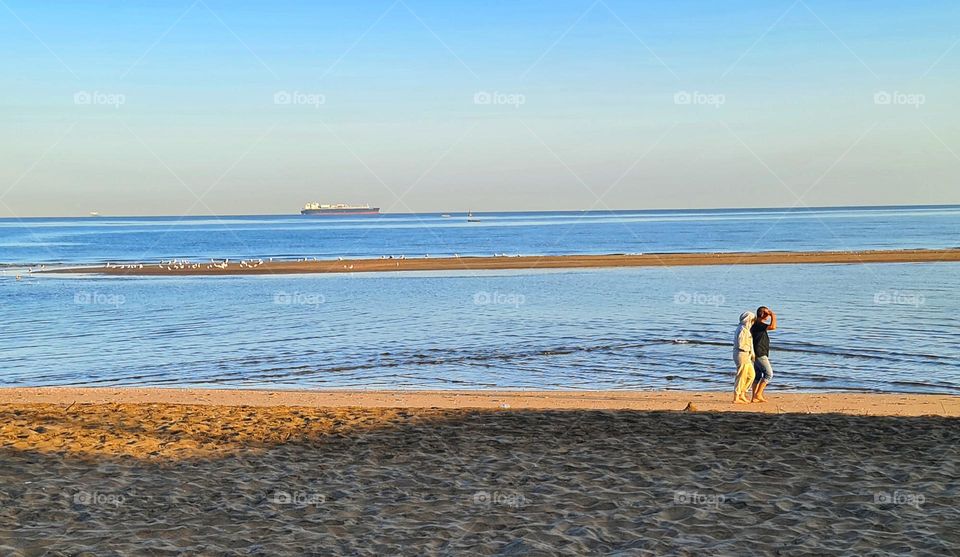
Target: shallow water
{"points": [[889, 327]]}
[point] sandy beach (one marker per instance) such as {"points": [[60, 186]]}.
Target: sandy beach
{"points": [[175, 471], [521, 262], [867, 404]]}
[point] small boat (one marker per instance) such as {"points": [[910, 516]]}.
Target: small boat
{"points": [[94, 214], [470, 217], [446, 216]]}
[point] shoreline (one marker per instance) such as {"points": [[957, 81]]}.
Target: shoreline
{"points": [[870, 404], [521, 262]]}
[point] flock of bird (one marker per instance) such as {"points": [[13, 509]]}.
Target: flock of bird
{"points": [[185, 264]]}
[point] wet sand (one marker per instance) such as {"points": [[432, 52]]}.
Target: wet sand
{"points": [[226, 478], [526, 262]]}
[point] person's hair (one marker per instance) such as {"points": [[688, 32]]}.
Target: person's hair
{"points": [[760, 310]]}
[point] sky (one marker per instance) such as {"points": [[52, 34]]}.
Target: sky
{"points": [[204, 107]]}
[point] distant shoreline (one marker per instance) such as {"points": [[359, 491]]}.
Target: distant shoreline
{"points": [[519, 262], [463, 212]]}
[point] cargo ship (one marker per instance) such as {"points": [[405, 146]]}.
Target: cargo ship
{"points": [[338, 209]]}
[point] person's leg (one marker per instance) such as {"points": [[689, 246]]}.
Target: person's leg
{"points": [[737, 361], [744, 378], [764, 375], [757, 379], [758, 385], [768, 376]]}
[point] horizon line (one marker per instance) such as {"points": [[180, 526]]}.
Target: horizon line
{"points": [[488, 212]]}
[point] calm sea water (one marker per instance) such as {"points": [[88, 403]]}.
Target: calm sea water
{"points": [[95, 240], [893, 327]]}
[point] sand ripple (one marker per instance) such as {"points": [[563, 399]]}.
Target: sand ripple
{"points": [[172, 479]]}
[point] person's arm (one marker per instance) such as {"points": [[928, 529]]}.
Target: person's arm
{"points": [[773, 321]]}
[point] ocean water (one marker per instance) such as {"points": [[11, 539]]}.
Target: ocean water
{"points": [[892, 327], [98, 240], [889, 327]]}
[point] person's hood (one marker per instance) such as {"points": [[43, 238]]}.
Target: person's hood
{"points": [[747, 318]]}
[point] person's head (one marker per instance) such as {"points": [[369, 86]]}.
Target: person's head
{"points": [[763, 312], [747, 318]]}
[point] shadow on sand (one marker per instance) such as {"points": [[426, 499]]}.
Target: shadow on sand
{"points": [[205, 480]]}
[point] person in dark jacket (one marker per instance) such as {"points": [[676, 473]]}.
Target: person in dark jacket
{"points": [[766, 321]]}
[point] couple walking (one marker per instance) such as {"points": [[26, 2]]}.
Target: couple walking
{"points": [[752, 344]]}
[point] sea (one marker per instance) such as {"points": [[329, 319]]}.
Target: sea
{"points": [[870, 328]]}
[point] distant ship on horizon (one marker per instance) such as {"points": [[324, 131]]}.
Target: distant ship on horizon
{"points": [[323, 209]]}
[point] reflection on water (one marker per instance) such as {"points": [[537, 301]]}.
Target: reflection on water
{"points": [[887, 327]]}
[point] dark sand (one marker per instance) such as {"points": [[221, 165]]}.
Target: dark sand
{"points": [[171, 479]]}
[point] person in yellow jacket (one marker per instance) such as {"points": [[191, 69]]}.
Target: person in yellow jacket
{"points": [[743, 356]]}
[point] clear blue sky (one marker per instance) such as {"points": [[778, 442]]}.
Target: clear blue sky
{"points": [[211, 106]]}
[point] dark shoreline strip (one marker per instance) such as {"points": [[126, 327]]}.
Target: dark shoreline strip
{"points": [[529, 262]]}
